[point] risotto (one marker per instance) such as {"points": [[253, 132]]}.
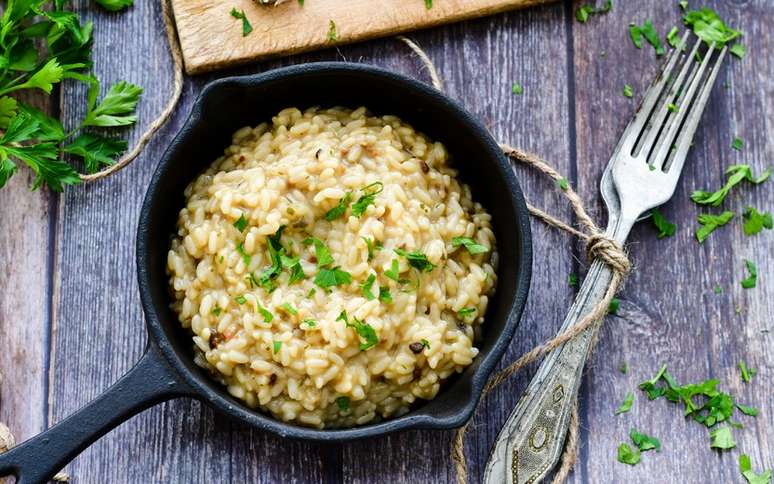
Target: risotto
{"points": [[331, 267]]}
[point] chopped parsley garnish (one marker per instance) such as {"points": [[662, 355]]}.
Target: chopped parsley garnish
{"points": [[279, 259], [425, 343], [277, 346], [750, 411], [465, 312], [750, 281], [368, 198], [737, 144], [615, 303], [710, 222], [722, 438], [363, 329], [745, 467], [309, 322], [572, 280], [626, 455], [217, 310], [628, 91], [738, 50], [673, 37], [647, 30], [252, 280], [327, 278], [747, 373], [709, 27], [339, 210], [321, 251], [672, 108], [240, 299], [393, 272], [736, 174], [470, 244], [624, 368], [332, 36], [366, 287], [240, 15], [245, 256], [241, 223], [267, 315], [754, 221], [416, 259], [428, 4], [311, 292], [289, 308], [644, 442], [384, 295], [665, 227], [717, 289], [343, 403], [583, 12], [372, 247], [517, 89], [562, 183], [626, 405]]}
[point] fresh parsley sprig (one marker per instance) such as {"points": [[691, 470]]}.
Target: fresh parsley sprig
{"points": [[42, 44]]}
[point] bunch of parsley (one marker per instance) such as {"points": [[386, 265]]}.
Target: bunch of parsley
{"points": [[41, 44]]}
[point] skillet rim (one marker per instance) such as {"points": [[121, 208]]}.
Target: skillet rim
{"points": [[414, 419]]}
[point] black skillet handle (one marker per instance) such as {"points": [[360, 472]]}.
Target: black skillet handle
{"points": [[149, 382]]}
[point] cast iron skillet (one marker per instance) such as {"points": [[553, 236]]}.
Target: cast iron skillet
{"points": [[167, 371]]}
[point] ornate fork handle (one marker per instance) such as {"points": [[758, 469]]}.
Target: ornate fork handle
{"points": [[532, 439]]}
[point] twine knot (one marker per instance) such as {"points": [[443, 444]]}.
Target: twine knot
{"points": [[600, 246]]}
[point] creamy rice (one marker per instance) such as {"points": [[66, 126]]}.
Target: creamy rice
{"points": [[282, 344]]}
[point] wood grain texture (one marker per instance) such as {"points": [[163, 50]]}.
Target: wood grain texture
{"points": [[25, 295], [212, 39], [669, 312], [572, 112]]}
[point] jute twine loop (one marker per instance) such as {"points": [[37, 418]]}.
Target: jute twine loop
{"points": [[598, 246]]}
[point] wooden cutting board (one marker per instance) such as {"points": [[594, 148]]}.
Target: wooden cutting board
{"points": [[211, 38]]}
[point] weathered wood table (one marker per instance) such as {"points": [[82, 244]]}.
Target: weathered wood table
{"points": [[70, 319]]}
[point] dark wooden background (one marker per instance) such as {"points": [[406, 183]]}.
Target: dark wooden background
{"points": [[70, 318]]}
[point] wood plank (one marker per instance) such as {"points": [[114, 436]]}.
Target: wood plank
{"points": [[212, 39], [25, 300], [669, 313], [479, 61]]}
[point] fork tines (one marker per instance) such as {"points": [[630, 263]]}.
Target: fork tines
{"points": [[667, 118]]}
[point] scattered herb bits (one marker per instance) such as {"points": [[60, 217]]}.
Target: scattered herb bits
{"points": [[289, 309], [340, 209], [241, 223], [664, 227], [644, 442], [246, 26], [735, 174], [627, 455], [572, 280], [368, 198], [343, 403], [583, 12], [747, 373], [416, 259], [648, 31], [327, 278], [465, 313], [364, 330], [711, 222], [562, 184], [366, 287], [612, 308], [751, 280], [708, 26], [755, 222], [745, 467], [277, 346], [517, 89], [470, 244], [628, 91], [722, 438], [626, 405], [737, 144], [332, 35]]}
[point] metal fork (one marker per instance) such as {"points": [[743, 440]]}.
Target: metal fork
{"points": [[641, 175]]}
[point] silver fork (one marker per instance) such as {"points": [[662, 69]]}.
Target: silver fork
{"points": [[641, 175]]}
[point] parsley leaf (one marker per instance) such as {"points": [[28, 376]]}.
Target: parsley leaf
{"points": [[321, 251], [384, 295], [372, 247], [368, 198], [722, 438], [465, 312], [665, 227], [628, 456], [363, 329], [366, 287], [95, 150], [416, 259], [745, 467], [615, 303], [754, 221], [562, 183], [747, 373], [246, 26], [343, 403], [115, 5], [751, 411], [393, 272], [709, 27], [428, 4], [327, 278], [738, 50], [583, 12], [737, 144], [517, 89], [626, 405], [267, 315], [240, 300], [673, 37], [116, 107], [711, 222], [332, 35], [277, 346], [470, 244], [309, 322], [648, 31], [289, 308], [750, 281], [241, 223], [245, 256], [628, 91], [572, 280], [644, 442], [339, 210]]}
